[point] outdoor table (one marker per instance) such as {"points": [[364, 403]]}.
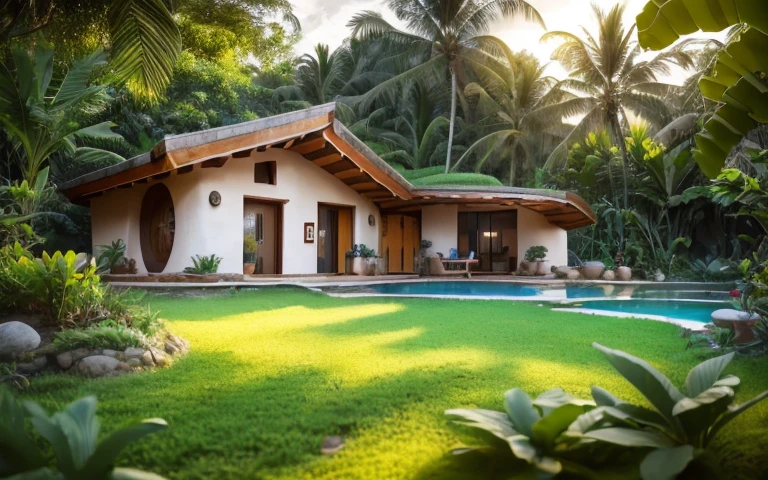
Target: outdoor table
{"points": [[466, 261]]}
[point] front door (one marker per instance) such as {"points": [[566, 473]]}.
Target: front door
{"points": [[400, 242], [334, 237], [261, 237]]}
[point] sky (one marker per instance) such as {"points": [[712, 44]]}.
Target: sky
{"points": [[324, 21]]}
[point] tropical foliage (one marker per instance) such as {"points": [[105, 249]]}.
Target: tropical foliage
{"points": [[550, 430], [73, 436], [202, 265]]}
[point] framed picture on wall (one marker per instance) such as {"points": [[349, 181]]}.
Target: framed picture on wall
{"points": [[309, 233]]}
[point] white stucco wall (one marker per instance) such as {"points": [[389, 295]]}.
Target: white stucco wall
{"points": [[533, 229], [439, 224], [203, 229]]}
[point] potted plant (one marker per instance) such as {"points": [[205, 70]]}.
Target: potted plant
{"points": [[535, 260], [249, 255], [112, 259], [421, 264]]}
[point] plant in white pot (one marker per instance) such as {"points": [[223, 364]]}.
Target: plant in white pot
{"points": [[536, 260]]}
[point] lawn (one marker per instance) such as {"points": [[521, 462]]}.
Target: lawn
{"points": [[272, 372]]}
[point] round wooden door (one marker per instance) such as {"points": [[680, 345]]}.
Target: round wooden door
{"points": [[158, 227]]}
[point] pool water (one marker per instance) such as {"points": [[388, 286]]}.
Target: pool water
{"points": [[694, 311], [662, 300]]}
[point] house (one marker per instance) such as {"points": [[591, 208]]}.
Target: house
{"points": [[306, 190]]}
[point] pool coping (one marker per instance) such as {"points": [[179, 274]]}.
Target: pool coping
{"points": [[687, 324]]}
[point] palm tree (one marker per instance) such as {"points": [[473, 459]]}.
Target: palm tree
{"points": [[506, 105], [40, 120], [144, 40], [319, 78], [453, 33], [608, 81]]}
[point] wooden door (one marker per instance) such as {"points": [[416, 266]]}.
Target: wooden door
{"points": [[411, 242], [394, 243], [345, 238]]}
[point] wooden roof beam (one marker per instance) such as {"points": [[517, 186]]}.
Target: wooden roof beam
{"points": [[351, 173], [365, 186], [327, 160], [309, 146]]}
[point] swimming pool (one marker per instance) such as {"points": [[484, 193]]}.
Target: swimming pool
{"points": [[676, 309], [693, 303]]}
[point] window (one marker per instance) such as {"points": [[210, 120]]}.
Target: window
{"points": [[265, 172]]}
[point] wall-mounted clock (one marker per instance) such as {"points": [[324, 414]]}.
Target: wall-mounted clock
{"points": [[371, 220], [214, 198]]}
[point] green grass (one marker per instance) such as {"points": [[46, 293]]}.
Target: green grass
{"points": [[274, 371], [456, 179]]}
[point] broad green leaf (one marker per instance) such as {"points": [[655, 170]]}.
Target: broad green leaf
{"points": [[629, 437], [497, 423], [54, 435], [666, 463], [552, 399], [604, 398], [523, 449], [728, 381], [650, 382], [88, 154], [734, 411], [521, 411], [704, 375], [16, 447], [100, 130], [697, 415], [106, 452], [38, 474], [77, 77], [546, 430]]}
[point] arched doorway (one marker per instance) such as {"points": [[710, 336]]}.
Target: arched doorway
{"points": [[158, 227]]}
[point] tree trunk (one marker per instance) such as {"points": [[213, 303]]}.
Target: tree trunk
{"points": [[624, 160], [453, 121]]}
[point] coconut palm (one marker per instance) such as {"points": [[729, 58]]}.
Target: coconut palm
{"points": [[319, 78], [40, 121], [608, 82], [505, 105], [452, 33]]}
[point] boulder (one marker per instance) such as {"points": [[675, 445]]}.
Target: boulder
{"points": [[80, 353], [331, 445], [97, 365], [133, 352], [146, 359], [64, 360], [17, 338], [573, 275], [133, 362], [609, 275], [111, 353], [34, 366]]}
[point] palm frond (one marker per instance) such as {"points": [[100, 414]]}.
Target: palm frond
{"points": [[369, 25], [145, 43], [77, 77]]}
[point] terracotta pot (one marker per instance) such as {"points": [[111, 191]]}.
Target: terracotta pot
{"points": [[249, 268], [624, 274], [531, 267], [543, 267], [592, 270]]}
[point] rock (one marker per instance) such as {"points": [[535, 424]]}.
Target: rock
{"points": [[64, 360], [133, 352], [609, 275], [332, 444], [17, 338], [170, 348], [97, 365], [123, 367], [573, 275], [658, 276], [80, 353], [146, 359], [34, 366], [624, 274], [160, 358], [111, 353], [133, 362]]}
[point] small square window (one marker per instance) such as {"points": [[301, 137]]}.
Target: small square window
{"points": [[265, 172]]}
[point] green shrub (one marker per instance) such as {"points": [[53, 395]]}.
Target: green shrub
{"points": [[203, 265], [60, 286], [677, 428], [474, 179], [73, 436], [111, 256], [537, 252], [107, 334]]}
